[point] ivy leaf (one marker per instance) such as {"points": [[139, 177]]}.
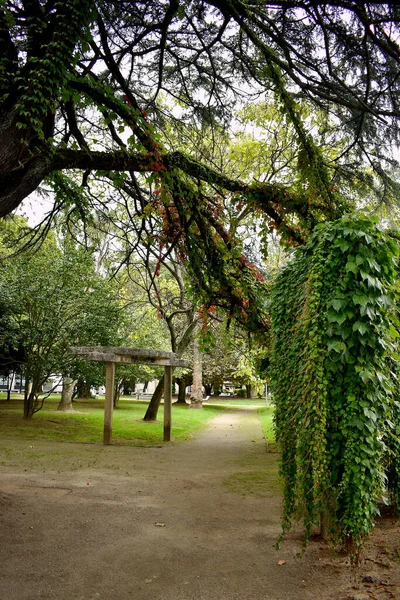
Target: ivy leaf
{"points": [[338, 303], [360, 299], [344, 245], [351, 267], [360, 327], [374, 265], [334, 317], [337, 346]]}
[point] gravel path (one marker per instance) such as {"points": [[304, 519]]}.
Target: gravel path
{"points": [[196, 520]]}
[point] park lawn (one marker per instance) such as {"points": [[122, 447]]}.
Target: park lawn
{"points": [[86, 423], [235, 402], [266, 414]]}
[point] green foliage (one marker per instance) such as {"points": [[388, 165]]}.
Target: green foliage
{"points": [[54, 300], [333, 358]]}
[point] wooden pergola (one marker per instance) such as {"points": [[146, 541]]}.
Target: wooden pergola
{"points": [[131, 356]]}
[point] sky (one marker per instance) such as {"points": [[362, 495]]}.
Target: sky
{"points": [[35, 207]]}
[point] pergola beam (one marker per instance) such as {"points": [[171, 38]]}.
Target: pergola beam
{"points": [[133, 360]]}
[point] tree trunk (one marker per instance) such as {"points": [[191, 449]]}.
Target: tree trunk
{"points": [[216, 386], [65, 404], [208, 388], [152, 409], [29, 405], [129, 386], [10, 381], [117, 392], [30, 399], [181, 390], [196, 397], [325, 525], [249, 391], [83, 389], [28, 389]]}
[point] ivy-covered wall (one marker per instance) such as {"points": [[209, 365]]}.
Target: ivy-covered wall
{"points": [[333, 368]]}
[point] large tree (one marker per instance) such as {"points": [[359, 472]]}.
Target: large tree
{"points": [[96, 86], [99, 91]]}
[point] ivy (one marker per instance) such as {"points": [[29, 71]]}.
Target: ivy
{"points": [[333, 375]]}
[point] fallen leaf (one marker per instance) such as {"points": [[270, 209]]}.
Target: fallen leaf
{"points": [[160, 524], [281, 562]]}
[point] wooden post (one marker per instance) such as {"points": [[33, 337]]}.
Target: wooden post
{"points": [[108, 403], [167, 403]]}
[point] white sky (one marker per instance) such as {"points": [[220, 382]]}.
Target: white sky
{"points": [[35, 207]]}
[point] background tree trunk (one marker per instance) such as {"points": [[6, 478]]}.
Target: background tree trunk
{"points": [[65, 404], [119, 385], [217, 384], [152, 409], [249, 391], [182, 383], [83, 389], [208, 388], [10, 381], [196, 397]]}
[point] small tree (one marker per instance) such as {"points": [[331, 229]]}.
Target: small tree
{"points": [[55, 300]]}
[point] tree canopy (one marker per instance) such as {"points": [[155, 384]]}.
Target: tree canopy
{"points": [[104, 88], [50, 300]]}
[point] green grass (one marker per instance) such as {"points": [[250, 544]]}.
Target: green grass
{"points": [[86, 424], [258, 474], [266, 414], [258, 479], [235, 402]]}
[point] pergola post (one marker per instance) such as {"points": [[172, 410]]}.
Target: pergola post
{"points": [[167, 403], [109, 402]]}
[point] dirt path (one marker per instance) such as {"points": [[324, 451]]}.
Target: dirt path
{"points": [[197, 521]]}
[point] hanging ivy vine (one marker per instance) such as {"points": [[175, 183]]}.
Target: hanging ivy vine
{"points": [[334, 359]]}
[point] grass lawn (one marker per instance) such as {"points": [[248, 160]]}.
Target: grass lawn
{"points": [[266, 414], [235, 402], [86, 424]]}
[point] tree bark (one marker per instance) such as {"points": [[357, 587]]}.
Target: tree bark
{"points": [[196, 397], [29, 404], [29, 398], [216, 387], [83, 389], [119, 385], [182, 383], [325, 525], [65, 404], [249, 391], [10, 381], [152, 409], [208, 388]]}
